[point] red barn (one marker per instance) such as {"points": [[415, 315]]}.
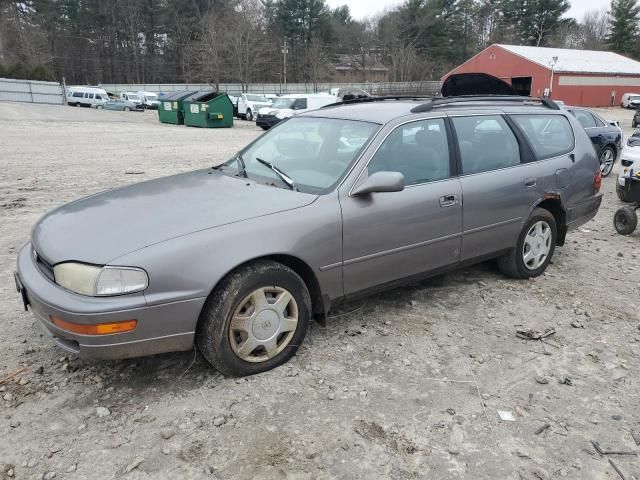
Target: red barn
{"points": [[577, 77]]}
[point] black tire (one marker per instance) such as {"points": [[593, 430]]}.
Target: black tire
{"points": [[264, 128], [249, 115], [126, 109], [625, 220], [512, 263], [621, 193], [606, 171], [212, 336]]}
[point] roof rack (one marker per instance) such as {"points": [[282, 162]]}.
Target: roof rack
{"points": [[379, 99], [443, 101]]}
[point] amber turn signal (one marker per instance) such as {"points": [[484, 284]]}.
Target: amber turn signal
{"points": [[95, 329]]}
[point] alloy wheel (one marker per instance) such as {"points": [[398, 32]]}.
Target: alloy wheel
{"points": [[263, 324], [537, 245], [607, 158]]}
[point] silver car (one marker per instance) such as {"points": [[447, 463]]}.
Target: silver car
{"points": [[340, 202]]}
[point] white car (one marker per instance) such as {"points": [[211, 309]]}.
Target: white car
{"points": [[290, 105], [250, 103], [629, 163], [86, 97], [630, 100]]}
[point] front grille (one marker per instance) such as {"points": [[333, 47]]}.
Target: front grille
{"points": [[45, 267]]}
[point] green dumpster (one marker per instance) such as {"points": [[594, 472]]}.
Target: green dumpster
{"points": [[208, 109], [170, 109]]}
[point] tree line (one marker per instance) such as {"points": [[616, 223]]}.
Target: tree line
{"points": [[246, 41]]}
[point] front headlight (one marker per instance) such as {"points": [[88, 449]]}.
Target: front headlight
{"points": [[100, 281]]}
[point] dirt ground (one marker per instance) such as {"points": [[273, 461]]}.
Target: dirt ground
{"points": [[405, 385]]}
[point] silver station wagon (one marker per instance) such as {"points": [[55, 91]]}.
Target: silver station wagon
{"points": [[339, 202]]}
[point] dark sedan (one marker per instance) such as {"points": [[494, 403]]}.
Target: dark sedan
{"points": [[636, 120], [606, 136]]}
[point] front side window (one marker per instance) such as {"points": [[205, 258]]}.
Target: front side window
{"points": [[418, 150], [549, 135], [314, 152], [486, 143], [585, 118]]}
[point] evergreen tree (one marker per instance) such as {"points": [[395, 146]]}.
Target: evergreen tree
{"points": [[623, 20]]}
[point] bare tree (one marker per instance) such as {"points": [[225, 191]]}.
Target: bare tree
{"points": [[246, 40], [207, 55], [595, 27]]}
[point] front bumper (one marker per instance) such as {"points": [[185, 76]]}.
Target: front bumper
{"points": [[267, 121], [167, 327]]}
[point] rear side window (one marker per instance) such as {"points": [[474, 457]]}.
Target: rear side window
{"points": [[585, 118], [78, 94], [486, 143], [549, 135]]}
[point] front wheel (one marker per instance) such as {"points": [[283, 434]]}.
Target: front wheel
{"points": [[607, 159], [255, 320], [625, 220], [127, 109], [249, 115], [534, 249]]}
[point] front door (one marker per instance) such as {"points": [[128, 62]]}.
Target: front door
{"points": [[390, 236]]}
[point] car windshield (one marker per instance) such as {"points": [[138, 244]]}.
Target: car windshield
{"points": [[256, 98], [314, 152], [634, 98], [151, 96], [133, 97], [283, 103]]}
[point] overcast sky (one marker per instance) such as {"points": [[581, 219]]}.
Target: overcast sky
{"points": [[367, 8]]}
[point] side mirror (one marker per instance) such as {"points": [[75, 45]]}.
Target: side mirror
{"points": [[380, 182]]}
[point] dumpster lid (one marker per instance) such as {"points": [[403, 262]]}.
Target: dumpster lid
{"points": [[195, 96], [204, 96], [177, 95]]}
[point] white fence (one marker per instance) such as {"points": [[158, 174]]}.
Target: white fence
{"points": [[31, 91], [383, 88]]}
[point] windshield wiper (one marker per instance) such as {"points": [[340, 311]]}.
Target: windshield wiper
{"points": [[242, 168], [281, 175]]}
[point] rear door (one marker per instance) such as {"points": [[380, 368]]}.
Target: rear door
{"points": [[498, 187], [395, 235]]}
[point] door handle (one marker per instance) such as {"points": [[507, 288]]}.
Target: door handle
{"points": [[530, 182], [448, 200]]}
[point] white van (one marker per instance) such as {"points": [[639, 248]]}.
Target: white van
{"points": [[290, 105], [150, 100], [631, 100], [250, 103], [133, 97], [86, 97]]}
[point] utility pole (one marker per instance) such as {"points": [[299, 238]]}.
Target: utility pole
{"points": [[285, 50], [552, 63]]}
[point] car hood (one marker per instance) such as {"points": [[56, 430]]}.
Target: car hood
{"points": [[103, 227]]}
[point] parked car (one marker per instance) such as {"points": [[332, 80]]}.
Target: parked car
{"points": [[86, 96], [328, 205], [289, 105], [150, 100], [630, 100], [605, 135], [250, 103], [133, 97], [635, 123], [123, 105], [629, 164]]}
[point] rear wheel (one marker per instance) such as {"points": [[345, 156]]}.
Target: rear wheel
{"points": [[625, 220], [534, 249], [255, 320], [607, 159]]}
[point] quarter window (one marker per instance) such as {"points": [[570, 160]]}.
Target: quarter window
{"points": [[549, 135], [486, 143], [418, 150]]}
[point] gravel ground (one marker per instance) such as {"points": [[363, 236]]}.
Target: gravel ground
{"points": [[408, 384]]}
